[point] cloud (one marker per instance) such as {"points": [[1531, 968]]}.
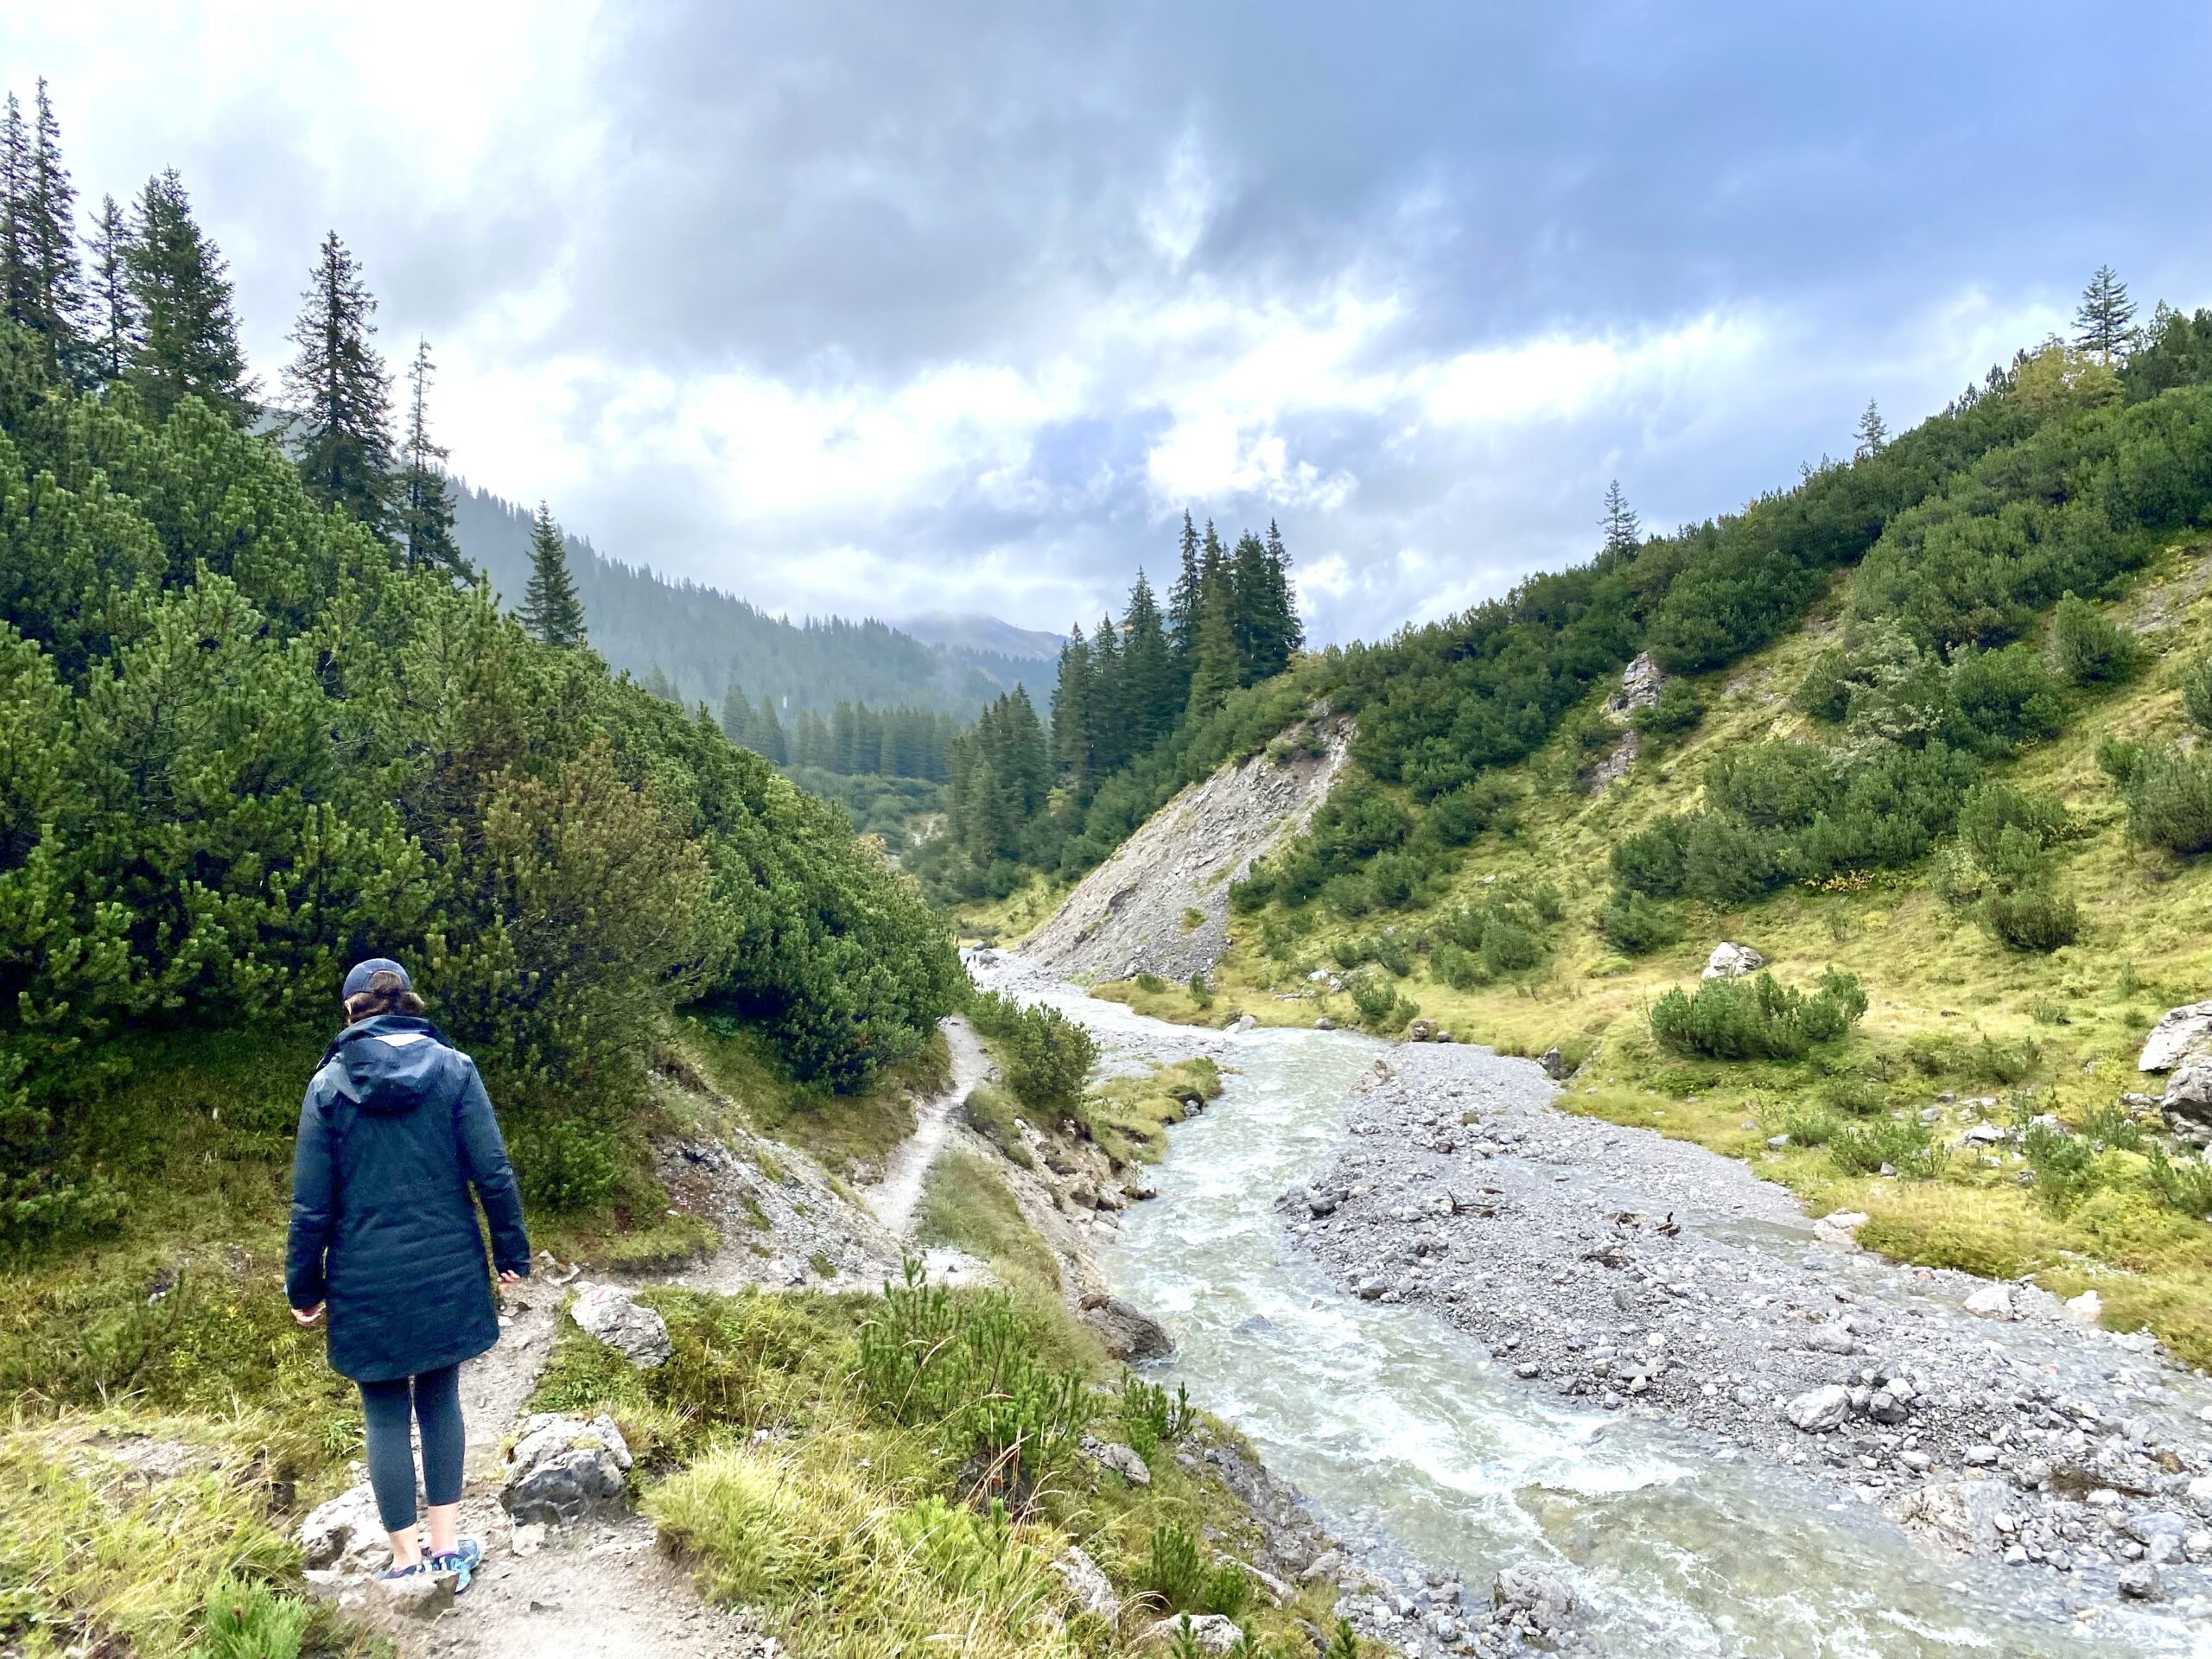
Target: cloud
{"points": [[878, 308]]}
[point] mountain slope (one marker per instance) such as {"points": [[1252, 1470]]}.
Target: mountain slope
{"points": [[705, 640]]}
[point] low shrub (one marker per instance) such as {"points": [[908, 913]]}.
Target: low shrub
{"points": [[1757, 1018], [1048, 1055], [1677, 711], [2184, 1184], [1380, 1008], [1636, 925], [2087, 649], [1152, 1417], [2196, 682], [2037, 918], [2169, 796], [1903, 1144]]}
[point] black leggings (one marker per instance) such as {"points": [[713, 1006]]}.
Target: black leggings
{"points": [[436, 1406]]}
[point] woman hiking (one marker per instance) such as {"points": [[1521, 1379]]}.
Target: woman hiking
{"points": [[395, 1132]]}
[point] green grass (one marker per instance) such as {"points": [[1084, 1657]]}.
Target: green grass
{"points": [[1129, 1116], [965, 1204], [1952, 1010], [738, 1067]]}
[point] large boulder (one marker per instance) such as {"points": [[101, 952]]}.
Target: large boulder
{"points": [[1732, 961], [1129, 1334], [1816, 1411], [2181, 1034], [1088, 1586], [1123, 1460], [619, 1319], [346, 1533], [1533, 1596], [2188, 1100], [562, 1469]]}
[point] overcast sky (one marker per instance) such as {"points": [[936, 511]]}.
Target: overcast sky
{"points": [[892, 308]]}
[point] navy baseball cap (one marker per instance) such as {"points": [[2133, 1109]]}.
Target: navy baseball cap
{"points": [[357, 981]]}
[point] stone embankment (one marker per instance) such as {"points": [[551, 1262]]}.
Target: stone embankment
{"points": [[1650, 1277], [1160, 903]]}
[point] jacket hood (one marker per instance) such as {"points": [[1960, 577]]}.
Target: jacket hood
{"points": [[391, 1063]]}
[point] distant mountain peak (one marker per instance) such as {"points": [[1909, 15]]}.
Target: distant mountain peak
{"points": [[973, 631]]}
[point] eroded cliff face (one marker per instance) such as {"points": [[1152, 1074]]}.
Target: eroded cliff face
{"points": [[1160, 905]]}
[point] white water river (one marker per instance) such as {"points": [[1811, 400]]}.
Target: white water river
{"points": [[1409, 1438]]}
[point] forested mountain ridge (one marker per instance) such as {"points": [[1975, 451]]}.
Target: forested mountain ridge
{"points": [[703, 641], [1930, 733]]}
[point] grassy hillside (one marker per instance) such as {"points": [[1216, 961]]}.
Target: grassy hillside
{"points": [[1957, 1023]]}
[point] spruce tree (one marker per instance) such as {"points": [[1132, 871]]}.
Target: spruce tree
{"points": [[1873, 433], [1623, 533], [1182, 609], [1071, 699], [424, 501], [1289, 625], [111, 315], [1214, 668], [15, 182], [1109, 690], [551, 609], [337, 394], [1150, 699], [2105, 323], [772, 748], [189, 346], [737, 718], [38, 241]]}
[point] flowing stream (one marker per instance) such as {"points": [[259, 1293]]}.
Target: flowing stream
{"points": [[1412, 1442]]}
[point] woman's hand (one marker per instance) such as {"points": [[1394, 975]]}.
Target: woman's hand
{"points": [[509, 1276], [307, 1315]]}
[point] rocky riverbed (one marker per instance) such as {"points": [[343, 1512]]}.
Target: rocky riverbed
{"points": [[1621, 1271]]}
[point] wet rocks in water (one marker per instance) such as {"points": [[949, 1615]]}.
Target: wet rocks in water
{"points": [[1129, 1334], [617, 1318], [2139, 1581], [1957, 1516], [561, 1469], [1536, 1601], [1732, 961]]}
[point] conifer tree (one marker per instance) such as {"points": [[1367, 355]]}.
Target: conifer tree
{"points": [[189, 344], [1150, 698], [1873, 433], [1290, 625], [15, 182], [737, 718], [1623, 533], [1182, 609], [38, 243], [551, 609], [1071, 698], [1109, 722], [772, 746], [1215, 669], [424, 501], [111, 315], [337, 393], [2105, 323]]}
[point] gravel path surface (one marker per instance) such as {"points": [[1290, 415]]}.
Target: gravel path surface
{"points": [[893, 1199], [1652, 1277]]}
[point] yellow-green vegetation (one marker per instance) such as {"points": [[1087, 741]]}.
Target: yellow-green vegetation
{"points": [[1953, 1009], [1128, 1117], [739, 1075], [127, 1531], [895, 1474], [988, 921], [965, 1204], [995, 1114]]}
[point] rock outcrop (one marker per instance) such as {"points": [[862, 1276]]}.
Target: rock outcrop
{"points": [[562, 1469], [619, 1319], [2180, 1044], [1732, 961], [1160, 905]]}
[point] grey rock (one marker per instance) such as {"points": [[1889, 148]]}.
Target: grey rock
{"points": [[1212, 1632], [1544, 1600], [1832, 1337], [1957, 1515], [619, 1319], [561, 1469], [2181, 1034], [419, 1595], [345, 1532], [1121, 1459], [1816, 1411], [2188, 1099], [1089, 1588], [1554, 1065], [1732, 961], [2140, 1582], [1129, 1334]]}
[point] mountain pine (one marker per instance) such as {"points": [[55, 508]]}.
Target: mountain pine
{"points": [[551, 609], [422, 501], [337, 395], [189, 343], [112, 329]]}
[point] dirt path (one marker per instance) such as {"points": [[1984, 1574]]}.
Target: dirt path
{"points": [[894, 1197]]}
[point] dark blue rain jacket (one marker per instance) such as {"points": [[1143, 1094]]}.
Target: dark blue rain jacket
{"points": [[395, 1131]]}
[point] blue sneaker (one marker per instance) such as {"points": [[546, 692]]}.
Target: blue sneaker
{"points": [[418, 1570], [460, 1561]]}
